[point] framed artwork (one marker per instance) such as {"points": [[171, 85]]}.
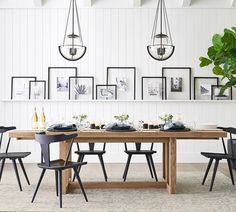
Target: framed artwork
{"points": [[215, 93], [153, 88], [106, 92], [58, 81], [202, 87], [20, 87], [125, 79], [178, 83], [81, 88], [37, 89]]}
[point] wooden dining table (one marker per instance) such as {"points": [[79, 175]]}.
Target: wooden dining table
{"points": [[168, 140]]}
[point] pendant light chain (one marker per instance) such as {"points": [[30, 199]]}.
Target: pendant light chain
{"points": [[167, 22], [67, 22], [79, 29]]}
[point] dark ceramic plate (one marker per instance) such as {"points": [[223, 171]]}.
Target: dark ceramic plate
{"points": [[177, 130]]}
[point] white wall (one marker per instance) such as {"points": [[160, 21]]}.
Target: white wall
{"points": [[114, 37]]}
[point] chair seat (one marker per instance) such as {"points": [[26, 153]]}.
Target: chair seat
{"points": [[90, 152], [140, 152], [14, 155], [59, 164], [216, 155]]}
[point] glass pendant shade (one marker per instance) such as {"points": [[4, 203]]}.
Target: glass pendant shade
{"points": [[72, 48], [161, 46]]}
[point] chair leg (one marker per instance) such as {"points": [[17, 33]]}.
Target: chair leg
{"points": [[80, 159], [23, 169], [60, 186], [80, 183], [2, 166], [103, 167], [207, 170], [39, 182], [56, 180], [16, 172], [153, 167], [149, 165], [214, 174], [230, 170], [127, 167]]}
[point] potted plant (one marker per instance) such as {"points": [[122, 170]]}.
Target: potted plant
{"points": [[222, 55], [166, 117], [80, 120], [122, 118]]}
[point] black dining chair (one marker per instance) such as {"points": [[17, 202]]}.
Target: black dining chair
{"points": [[81, 153], [56, 165], [13, 156], [219, 156], [138, 151]]}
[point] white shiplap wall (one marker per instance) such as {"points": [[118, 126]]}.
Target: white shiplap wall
{"points": [[114, 37]]}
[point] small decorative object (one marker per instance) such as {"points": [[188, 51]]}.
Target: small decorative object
{"points": [[202, 87], [106, 92], [125, 79], [92, 126], [72, 48], [58, 81], [80, 120], [216, 95], [20, 87], [153, 88], [166, 117], [178, 80], [81, 88], [122, 118], [145, 126], [161, 46], [37, 89], [151, 126], [222, 55]]}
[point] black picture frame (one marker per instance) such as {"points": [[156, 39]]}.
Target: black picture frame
{"points": [[60, 68], [189, 69], [220, 86], [44, 87], [82, 77], [21, 77], [106, 85], [109, 69], [163, 87], [203, 78]]}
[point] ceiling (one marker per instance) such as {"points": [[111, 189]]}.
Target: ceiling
{"points": [[189, 4]]}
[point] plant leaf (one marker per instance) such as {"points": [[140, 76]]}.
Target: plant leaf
{"points": [[204, 61], [217, 70], [217, 43]]}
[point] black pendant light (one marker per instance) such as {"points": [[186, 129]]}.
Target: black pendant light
{"points": [[72, 48], [161, 47]]}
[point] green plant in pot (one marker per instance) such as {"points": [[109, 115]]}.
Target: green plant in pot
{"points": [[80, 119], [222, 55], [122, 118]]}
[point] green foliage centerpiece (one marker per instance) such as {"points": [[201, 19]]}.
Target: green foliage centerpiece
{"points": [[122, 118]]}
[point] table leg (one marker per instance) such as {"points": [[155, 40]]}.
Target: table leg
{"points": [[165, 159], [66, 174], [171, 184]]}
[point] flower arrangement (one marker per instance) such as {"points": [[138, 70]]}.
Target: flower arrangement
{"points": [[122, 118], [80, 118], [166, 117]]}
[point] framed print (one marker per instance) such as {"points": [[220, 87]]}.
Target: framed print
{"points": [[106, 92], [20, 87], [202, 87], [125, 79], [215, 93], [178, 82], [58, 81], [153, 88], [37, 89], [81, 88]]}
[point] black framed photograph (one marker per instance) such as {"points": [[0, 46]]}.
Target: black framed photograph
{"points": [[215, 93], [202, 87], [106, 92], [20, 87], [178, 82], [125, 79], [58, 81], [153, 88], [37, 89], [81, 88]]}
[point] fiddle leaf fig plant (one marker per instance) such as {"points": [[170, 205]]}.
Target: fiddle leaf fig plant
{"points": [[222, 55]]}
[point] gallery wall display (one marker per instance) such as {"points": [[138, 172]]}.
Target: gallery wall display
{"points": [[178, 82], [20, 87], [106, 92], [215, 93], [37, 89], [81, 88], [202, 87], [125, 79], [153, 88], [58, 81]]}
